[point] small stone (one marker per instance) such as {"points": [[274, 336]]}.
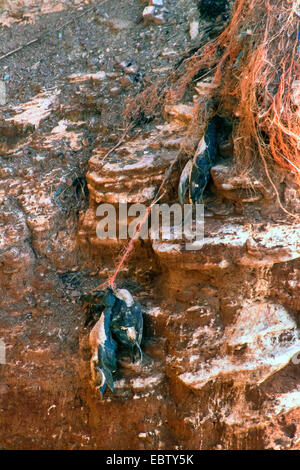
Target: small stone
{"points": [[5, 172], [295, 95], [36, 65], [131, 69], [114, 91], [112, 75], [148, 13], [75, 293], [92, 273], [118, 24], [181, 112], [99, 76], [194, 30], [2, 93], [159, 19], [205, 87], [156, 3], [126, 81], [94, 61], [120, 65], [150, 16], [169, 52]]}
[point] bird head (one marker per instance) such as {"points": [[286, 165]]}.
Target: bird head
{"points": [[132, 336], [130, 332], [124, 295]]}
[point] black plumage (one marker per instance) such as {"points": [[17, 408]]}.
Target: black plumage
{"points": [[196, 173], [120, 325], [212, 8], [127, 325], [107, 360], [203, 162]]}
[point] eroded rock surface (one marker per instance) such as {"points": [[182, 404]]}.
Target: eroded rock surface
{"points": [[221, 340]]}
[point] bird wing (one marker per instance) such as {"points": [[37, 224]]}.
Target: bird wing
{"points": [[184, 181], [109, 298], [107, 355], [204, 158]]}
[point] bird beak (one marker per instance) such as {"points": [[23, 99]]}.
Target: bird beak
{"points": [[131, 333]]}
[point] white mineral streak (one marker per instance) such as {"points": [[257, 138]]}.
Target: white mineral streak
{"points": [[269, 338], [147, 382], [288, 401], [35, 111]]}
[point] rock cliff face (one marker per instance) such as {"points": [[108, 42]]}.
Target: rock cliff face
{"points": [[221, 340]]}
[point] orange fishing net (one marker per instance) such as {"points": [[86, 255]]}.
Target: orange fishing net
{"points": [[255, 68]]}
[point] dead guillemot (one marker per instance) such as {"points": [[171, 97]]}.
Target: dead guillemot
{"points": [[196, 173], [104, 347], [120, 325], [127, 321]]}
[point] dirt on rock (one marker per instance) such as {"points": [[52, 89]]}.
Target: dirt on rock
{"points": [[221, 327]]}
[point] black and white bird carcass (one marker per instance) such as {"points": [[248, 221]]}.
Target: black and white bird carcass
{"points": [[196, 173], [127, 322], [119, 326], [103, 346]]}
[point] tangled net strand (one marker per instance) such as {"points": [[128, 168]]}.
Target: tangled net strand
{"points": [[256, 68]]}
